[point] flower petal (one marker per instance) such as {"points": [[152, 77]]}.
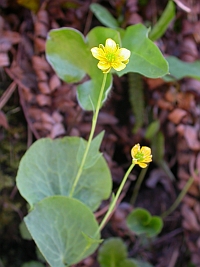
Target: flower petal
{"points": [[142, 164], [118, 65], [98, 53], [104, 66], [135, 150], [124, 54], [146, 150], [110, 45]]}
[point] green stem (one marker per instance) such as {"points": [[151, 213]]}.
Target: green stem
{"points": [[94, 122], [179, 198], [138, 185], [114, 201]]}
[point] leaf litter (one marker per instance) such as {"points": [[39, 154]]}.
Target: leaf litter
{"points": [[51, 110]]}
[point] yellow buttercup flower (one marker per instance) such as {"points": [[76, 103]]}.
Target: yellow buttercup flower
{"points": [[141, 156], [111, 56]]}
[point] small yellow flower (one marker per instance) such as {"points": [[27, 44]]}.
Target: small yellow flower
{"points": [[141, 156], [111, 56]]}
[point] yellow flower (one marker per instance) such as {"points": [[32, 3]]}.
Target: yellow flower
{"points": [[141, 156], [111, 56]]}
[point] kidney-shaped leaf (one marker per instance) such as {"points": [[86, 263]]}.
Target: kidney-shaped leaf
{"points": [[179, 69], [140, 222], [68, 53], [146, 58], [49, 168], [112, 252], [59, 225]]}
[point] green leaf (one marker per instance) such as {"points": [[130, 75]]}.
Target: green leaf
{"points": [[104, 16], [127, 263], [179, 69], [49, 168], [146, 58], [158, 147], [88, 92], [152, 130], [24, 231], [33, 5], [66, 51], [57, 225], [140, 221], [93, 154], [136, 98], [69, 54], [112, 252], [33, 264], [141, 263], [161, 26]]}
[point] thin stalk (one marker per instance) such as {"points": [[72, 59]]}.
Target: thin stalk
{"points": [[138, 185], [114, 201], [179, 198], [94, 122]]}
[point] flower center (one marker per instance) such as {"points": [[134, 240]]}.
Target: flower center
{"points": [[110, 57], [139, 156]]}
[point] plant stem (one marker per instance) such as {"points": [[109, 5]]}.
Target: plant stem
{"points": [[94, 122], [179, 198], [114, 201], [138, 185]]}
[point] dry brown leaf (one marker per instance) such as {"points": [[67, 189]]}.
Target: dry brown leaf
{"points": [[41, 126], [57, 130], [189, 218], [154, 83], [3, 120], [40, 44], [176, 115], [57, 116], [43, 100], [4, 60], [41, 29], [44, 88], [191, 135], [54, 82], [40, 63], [164, 104], [41, 75]]}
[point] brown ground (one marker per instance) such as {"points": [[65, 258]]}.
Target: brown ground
{"points": [[35, 103]]}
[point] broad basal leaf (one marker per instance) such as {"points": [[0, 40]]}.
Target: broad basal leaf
{"points": [[179, 69], [145, 58], [141, 222], [49, 168], [59, 225], [112, 252]]}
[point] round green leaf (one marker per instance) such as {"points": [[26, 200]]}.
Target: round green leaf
{"points": [[104, 16], [59, 225], [140, 222], [33, 264], [180, 69], [112, 252], [69, 54], [49, 168], [66, 51], [146, 57]]}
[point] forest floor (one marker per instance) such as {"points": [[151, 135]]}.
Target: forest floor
{"points": [[35, 103]]}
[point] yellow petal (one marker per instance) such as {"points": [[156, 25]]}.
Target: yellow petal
{"points": [[118, 65], [104, 66], [142, 164], [98, 53], [124, 54], [146, 150], [110, 45], [135, 150]]}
